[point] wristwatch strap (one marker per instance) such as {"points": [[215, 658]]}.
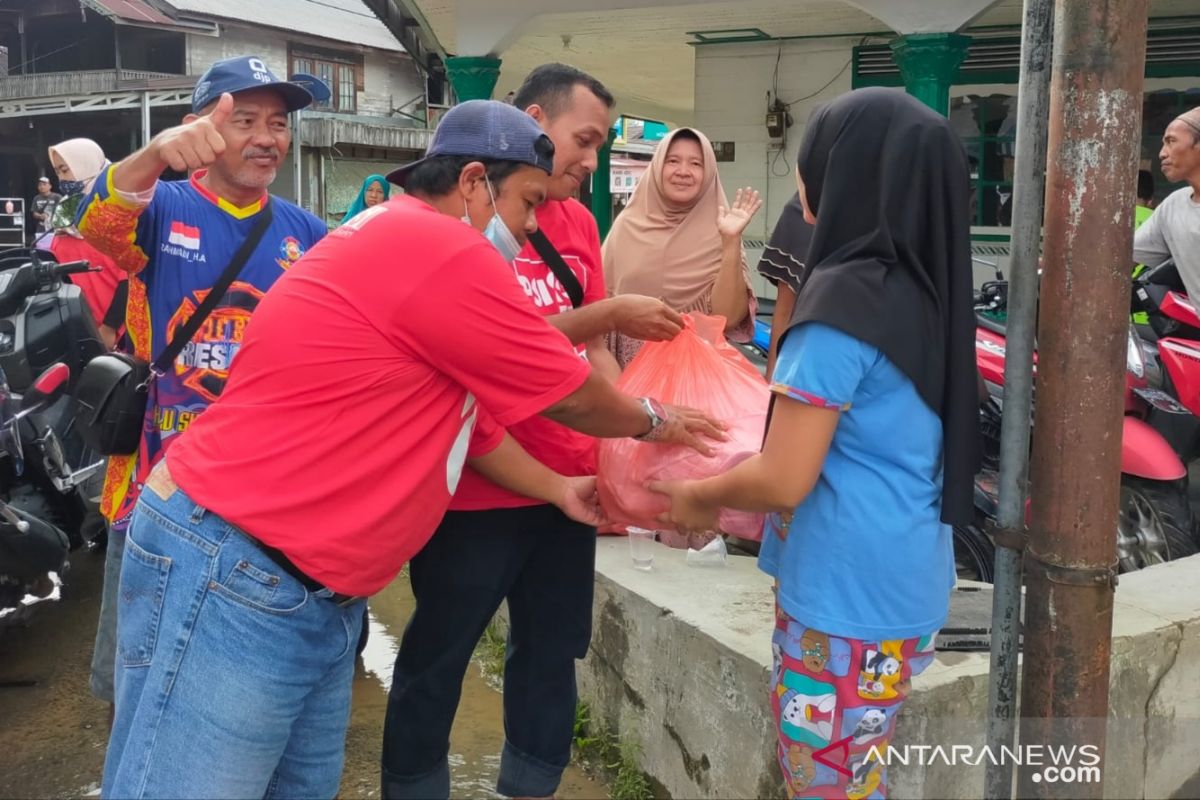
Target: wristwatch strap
{"points": [[658, 418]]}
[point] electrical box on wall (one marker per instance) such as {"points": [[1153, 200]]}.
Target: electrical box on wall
{"points": [[775, 127], [778, 121]]}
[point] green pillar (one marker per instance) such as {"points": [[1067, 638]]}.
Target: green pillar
{"points": [[602, 186], [473, 77], [929, 64]]}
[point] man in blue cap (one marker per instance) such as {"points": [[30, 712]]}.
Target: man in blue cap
{"points": [[392, 354], [174, 239]]}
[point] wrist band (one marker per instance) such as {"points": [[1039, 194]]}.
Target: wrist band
{"points": [[142, 198]]}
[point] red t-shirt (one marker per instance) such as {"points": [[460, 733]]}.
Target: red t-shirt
{"points": [[571, 228], [344, 426], [97, 288]]}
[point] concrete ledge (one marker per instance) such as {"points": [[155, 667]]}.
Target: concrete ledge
{"points": [[681, 657], [680, 663]]}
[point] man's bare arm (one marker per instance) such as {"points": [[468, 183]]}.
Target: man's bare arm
{"points": [[602, 359], [634, 315], [192, 145]]}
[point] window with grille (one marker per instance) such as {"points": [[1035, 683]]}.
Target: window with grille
{"points": [[987, 123], [987, 126], [342, 74]]}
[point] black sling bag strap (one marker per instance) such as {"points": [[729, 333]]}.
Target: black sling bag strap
{"points": [[113, 389], [559, 267], [185, 334]]}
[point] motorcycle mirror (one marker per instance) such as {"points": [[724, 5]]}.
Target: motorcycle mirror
{"points": [[49, 386], [995, 265]]}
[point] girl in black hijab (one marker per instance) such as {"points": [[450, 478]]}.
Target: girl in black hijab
{"points": [[872, 445]]}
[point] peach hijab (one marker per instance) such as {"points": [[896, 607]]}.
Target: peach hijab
{"points": [[667, 251]]}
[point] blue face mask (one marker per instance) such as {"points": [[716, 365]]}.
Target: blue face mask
{"points": [[497, 232], [68, 188]]}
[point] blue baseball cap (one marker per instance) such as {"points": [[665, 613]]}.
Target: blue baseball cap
{"points": [[486, 130], [239, 74]]}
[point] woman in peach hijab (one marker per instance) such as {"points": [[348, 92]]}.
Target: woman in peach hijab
{"points": [[78, 162], [679, 240]]}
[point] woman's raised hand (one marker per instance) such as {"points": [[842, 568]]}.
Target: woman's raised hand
{"points": [[733, 220]]}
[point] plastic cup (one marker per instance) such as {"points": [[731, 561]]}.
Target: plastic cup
{"points": [[641, 548], [713, 554]]}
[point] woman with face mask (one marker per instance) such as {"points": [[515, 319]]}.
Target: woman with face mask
{"points": [[375, 190], [77, 162], [872, 443], [679, 240]]}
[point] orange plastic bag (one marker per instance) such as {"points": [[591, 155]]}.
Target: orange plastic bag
{"points": [[698, 369]]}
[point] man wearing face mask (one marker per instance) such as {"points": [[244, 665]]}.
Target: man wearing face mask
{"points": [[328, 461], [496, 545]]}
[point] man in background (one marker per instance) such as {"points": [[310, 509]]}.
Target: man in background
{"points": [[41, 207], [173, 239], [1173, 230]]}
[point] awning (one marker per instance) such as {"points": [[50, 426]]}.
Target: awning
{"points": [[328, 130]]}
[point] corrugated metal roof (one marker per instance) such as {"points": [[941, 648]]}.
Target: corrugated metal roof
{"points": [[131, 11], [339, 20]]}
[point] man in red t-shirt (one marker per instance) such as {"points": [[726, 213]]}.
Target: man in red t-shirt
{"points": [[328, 460], [496, 544]]}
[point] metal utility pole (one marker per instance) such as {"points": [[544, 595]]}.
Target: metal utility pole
{"points": [[145, 106], [1029, 187], [1071, 565], [297, 156]]}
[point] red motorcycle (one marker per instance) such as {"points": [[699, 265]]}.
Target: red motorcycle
{"points": [[1169, 326], [1155, 522]]}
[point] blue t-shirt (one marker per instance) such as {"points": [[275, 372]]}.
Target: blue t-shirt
{"points": [[866, 556], [174, 250]]}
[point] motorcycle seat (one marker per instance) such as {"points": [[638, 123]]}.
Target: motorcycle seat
{"points": [[991, 324]]}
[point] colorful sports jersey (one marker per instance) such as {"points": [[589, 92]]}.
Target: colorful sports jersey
{"points": [[350, 414], [571, 228], [174, 250]]}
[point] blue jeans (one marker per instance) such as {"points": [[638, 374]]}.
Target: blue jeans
{"points": [[543, 565], [104, 653], [232, 679]]}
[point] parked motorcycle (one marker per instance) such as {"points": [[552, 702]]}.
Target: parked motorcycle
{"points": [[43, 321], [761, 343], [759, 346], [33, 551], [1170, 333], [1155, 522]]}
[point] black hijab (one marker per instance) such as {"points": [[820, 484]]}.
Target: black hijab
{"points": [[785, 255], [890, 258]]}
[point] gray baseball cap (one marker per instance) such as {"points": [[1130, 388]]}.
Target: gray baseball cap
{"points": [[487, 130]]}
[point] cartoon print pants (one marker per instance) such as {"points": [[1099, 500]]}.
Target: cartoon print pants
{"points": [[835, 702]]}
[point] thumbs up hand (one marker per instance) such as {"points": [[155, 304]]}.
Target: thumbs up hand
{"points": [[197, 143]]}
